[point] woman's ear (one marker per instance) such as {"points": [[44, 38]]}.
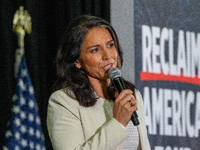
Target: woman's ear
{"points": [[77, 64]]}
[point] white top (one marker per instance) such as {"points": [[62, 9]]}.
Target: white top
{"points": [[132, 142]]}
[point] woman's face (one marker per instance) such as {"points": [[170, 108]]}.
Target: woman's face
{"points": [[98, 54]]}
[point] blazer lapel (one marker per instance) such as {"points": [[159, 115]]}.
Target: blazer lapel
{"points": [[108, 106]]}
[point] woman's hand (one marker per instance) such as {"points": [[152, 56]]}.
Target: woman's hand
{"points": [[124, 106]]}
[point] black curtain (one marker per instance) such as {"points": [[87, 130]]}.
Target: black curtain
{"points": [[49, 20]]}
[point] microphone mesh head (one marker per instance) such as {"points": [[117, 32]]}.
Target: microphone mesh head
{"points": [[114, 73]]}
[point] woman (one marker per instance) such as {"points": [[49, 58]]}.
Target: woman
{"points": [[85, 111]]}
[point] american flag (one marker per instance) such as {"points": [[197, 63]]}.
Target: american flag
{"points": [[24, 131]]}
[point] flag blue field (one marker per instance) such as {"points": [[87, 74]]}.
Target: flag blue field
{"points": [[24, 131]]}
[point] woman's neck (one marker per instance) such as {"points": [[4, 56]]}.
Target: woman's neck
{"points": [[100, 87]]}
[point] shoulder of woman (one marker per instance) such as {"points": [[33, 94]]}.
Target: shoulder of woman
{"points": [[61, 98], [138, 95], [139, 100]]}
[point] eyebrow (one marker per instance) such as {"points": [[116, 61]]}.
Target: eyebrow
{"points": [[98, 45]]}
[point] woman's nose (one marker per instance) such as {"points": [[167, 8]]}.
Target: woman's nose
{"points": [[106, 54]]}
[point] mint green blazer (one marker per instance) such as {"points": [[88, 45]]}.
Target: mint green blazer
{"points": [[74, 127]]}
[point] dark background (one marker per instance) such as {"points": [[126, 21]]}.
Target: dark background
{"points": [[49, 20]]}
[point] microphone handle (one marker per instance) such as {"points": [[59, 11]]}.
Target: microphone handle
{"points": [[134, 119], [119, 84]]}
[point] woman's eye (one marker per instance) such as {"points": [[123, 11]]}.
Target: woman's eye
{"points": [[94, 50], [111, 45]]}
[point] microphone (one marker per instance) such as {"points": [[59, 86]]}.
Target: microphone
{"points": [[115, 75]]}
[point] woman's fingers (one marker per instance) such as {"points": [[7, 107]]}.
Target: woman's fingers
{"points": [[124, 106], [126, 96], [131, 105], [123, 94]]}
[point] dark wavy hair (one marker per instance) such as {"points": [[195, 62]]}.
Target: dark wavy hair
{"points": [[68, 75]]}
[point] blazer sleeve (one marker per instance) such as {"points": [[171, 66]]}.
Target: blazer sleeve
{"points": [[66, 132]]}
